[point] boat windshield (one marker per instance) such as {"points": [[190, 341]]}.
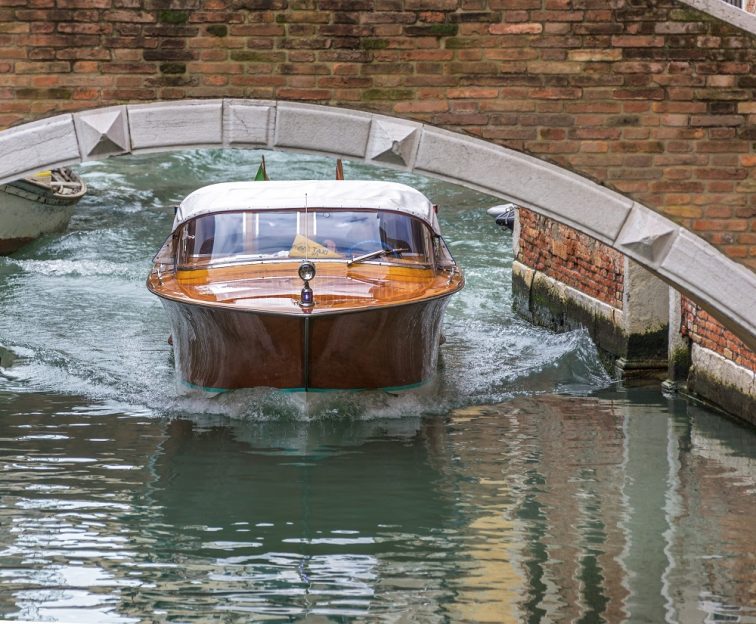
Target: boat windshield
{"points": [[244, 236]]}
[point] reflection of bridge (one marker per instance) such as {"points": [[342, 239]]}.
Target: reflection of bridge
{"points": [[563, 508], [646, 116]]}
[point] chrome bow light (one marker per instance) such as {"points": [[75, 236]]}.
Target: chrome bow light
{"points": [[306, 273]]}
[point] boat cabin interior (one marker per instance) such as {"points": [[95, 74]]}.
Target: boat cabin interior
{"points": [[241, 237]]}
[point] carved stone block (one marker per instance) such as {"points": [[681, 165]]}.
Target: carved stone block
{"points": [[103, 132]]}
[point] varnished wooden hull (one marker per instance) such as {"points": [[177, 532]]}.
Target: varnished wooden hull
{"points": [[242, 326], [221, 348]]}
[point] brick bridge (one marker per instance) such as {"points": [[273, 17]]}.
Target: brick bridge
{"points": [[631, 121]]}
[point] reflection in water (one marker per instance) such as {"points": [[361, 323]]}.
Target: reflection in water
{"points": [[613, 508]]}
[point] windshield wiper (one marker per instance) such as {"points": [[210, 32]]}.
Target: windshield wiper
{"points": [[376, 254]]}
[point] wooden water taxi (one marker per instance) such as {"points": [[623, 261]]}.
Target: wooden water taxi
{"points": [[39, 204], [308, 285]]}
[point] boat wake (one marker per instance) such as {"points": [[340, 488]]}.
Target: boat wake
{"points": [[266, 404], [65, 267], [566, 361]]}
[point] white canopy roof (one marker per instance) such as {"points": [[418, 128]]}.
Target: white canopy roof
{"points": [[347, 194]]}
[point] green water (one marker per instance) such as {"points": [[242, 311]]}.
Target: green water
{"points": [[523, 485]]}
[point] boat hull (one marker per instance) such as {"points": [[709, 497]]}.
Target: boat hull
{"points": [[219, 348], [28, 211]]}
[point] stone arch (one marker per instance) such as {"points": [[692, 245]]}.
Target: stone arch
{"points": [[682, 259]]}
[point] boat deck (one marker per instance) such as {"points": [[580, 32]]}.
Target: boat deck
{"points": [[275, 287]]}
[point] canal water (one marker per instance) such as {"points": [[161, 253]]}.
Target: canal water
{"points": [[523, 485]]}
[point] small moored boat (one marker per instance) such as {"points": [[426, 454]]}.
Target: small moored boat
{"points": [[309, 285], [37, 205]]}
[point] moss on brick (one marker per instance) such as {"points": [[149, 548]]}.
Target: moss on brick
{"points": [[455, 43], [374, 44], [175, 80], [444, 30], [433, 30], [173, 17], [55, 93], [250, 56], [260, 5], [387, 94], [623, 121], [689, 15], [217, 30], [173, 68]]}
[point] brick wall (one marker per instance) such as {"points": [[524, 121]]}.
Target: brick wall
{"points": [[571, 257], [653, 99], [593, 268], [704, 330]]}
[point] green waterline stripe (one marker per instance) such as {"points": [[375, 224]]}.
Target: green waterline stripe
{"points": [[309, 390], [203, 388]]}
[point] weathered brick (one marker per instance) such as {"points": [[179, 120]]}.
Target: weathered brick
{"points": [[40, 68], [595, 56], [303, 94], [86, 28], [128, 68], [707, 121], [619, 93], [83, 4], [556, 93], [473, 92], [638, 41], [345, 82], [83, 54], [433, 5], [168, 55], [265, 81], [532, 28], [639, 94], [427, 106], [546, 245], [729, 225], [140, 17]]}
